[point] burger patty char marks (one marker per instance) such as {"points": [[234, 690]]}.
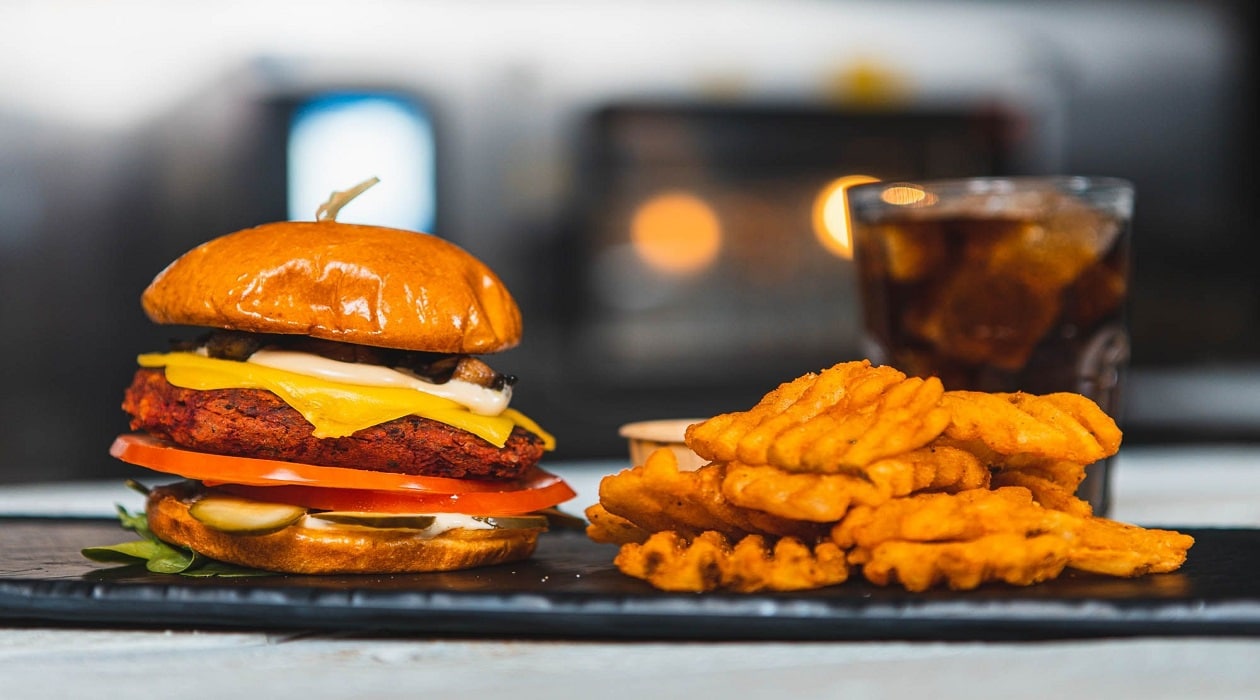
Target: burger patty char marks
{"points": [[257, 423]]}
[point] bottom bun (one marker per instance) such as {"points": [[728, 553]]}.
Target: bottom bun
{"points": [[304, 550]]}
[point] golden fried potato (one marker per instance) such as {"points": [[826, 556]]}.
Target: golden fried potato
{"points": [[1087, 414], [915, 485], [607, 528], [940, 517], [1007, 557], [1052, 427], [1053, 482], [906, 418], [708, 562], [1113, 548], [717, 439], [880, 538], [843, 418], [941, 469], [1045, 491], [657, 496], [1063, 473], [825, 498]]}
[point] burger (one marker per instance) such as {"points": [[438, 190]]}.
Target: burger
{"points": [[331, 412]]}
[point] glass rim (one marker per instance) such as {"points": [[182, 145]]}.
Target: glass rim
{"points": [[1005, 183], [1118, 191]]}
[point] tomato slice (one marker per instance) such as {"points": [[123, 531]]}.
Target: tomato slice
{"points": [[367, 501], [305, 480]]}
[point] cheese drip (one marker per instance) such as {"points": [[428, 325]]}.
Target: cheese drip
{"points": [[337, 409]]}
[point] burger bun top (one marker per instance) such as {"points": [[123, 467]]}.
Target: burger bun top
{"points": [[352, 283]]}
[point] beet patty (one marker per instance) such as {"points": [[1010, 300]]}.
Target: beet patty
{"points": [[257, 423]]}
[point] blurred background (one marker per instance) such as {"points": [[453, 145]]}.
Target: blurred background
{"points": [[562, 141]]}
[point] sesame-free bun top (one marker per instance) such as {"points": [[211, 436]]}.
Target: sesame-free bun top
{"points": [[368, 285]]}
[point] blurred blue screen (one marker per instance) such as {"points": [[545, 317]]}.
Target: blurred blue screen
{"points": [[337, 140]]}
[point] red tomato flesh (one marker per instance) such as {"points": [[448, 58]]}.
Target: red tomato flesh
{"points": [[339, 488], [358, 500]]}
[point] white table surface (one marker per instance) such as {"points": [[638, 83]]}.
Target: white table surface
{"points": [[1183, 486]]}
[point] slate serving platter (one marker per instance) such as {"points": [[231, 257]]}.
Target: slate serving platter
{"points": [[571, 590]]}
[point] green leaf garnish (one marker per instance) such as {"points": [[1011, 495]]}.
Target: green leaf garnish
{"points": [[160, 557], [125, 553], [138, 523]]}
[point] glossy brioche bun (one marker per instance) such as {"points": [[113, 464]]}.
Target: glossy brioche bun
{"points": [[367, 285], [302, 550]]}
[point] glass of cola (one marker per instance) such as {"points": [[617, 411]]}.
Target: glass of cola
{"points": [[1000, 284]]}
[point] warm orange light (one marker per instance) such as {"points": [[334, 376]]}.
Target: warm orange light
{"points": [[831, 215], [907, 196], [676, 232]]}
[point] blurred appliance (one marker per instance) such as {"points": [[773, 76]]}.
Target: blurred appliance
{"points": [[696, 273], [695, 255]]}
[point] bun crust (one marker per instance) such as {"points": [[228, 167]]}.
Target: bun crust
{"points": [[301, 550], [357, 284]]}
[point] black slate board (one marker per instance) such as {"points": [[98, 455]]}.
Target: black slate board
{"points": [[571, 590]]}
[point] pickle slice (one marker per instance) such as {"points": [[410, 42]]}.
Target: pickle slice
{"points": [[241, 515], [404, 521]]}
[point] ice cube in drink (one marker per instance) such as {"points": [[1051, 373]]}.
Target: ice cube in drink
{"points": [[991, 298]]}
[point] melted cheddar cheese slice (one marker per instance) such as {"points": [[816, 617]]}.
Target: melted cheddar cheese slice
{"points": [[337, 409]]}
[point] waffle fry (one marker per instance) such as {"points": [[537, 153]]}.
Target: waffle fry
{"points": [[861, 468], [1113, 548], [825, 498], [1005, 557], [953, 539], [1053, 427], [607, 528], [839, 420], [658, 496], [709, 561], [1045, 491]]}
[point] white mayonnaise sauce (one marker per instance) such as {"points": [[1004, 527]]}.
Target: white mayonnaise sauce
{"points": [[478, 399], [443, 522]]}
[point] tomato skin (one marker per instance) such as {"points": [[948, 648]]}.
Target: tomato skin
{"points": [[311, 485], [365, 501], [147, 451]]}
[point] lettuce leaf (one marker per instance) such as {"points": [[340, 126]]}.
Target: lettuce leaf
{"points": [[158, 556]]}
